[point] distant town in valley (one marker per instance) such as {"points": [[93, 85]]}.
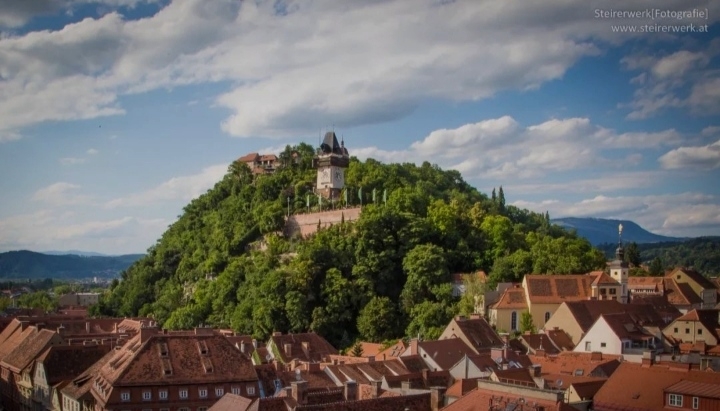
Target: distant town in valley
{"points": [[538, 318]]}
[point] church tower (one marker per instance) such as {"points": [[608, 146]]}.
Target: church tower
{"points": [[331, 160], [619, 269]]}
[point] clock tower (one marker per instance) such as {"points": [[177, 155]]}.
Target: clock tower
{"points": [[331, 161]]}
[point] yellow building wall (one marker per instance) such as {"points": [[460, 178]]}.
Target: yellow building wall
{"points": [[564, 320], [502, 318], [692, 336], [538, 313]]}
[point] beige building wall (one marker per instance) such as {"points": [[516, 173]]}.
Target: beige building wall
{"points": [[690, 331], [538, 312], [502, 318], [564, 320]]}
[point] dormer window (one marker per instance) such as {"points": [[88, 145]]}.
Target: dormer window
{"points": [[202, 347], [675, 400]]}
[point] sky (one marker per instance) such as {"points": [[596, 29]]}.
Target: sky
{"points": [[114, 114]]}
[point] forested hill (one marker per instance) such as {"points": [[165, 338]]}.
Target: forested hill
{"points": [[383, 276], [702, 254], [31, 265]]}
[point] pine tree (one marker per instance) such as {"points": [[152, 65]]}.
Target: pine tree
{"points": [[656, 267], [547, 218], [501, 200], [357, 350], [494, 197]]}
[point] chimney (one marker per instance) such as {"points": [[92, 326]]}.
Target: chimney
{"points": [[287, 347], [475, 316], [306, 348], [425, 374], [242, 346], [540, 352], [405, 387], [24, 325], [288, 392], [350, 390], [313, 367], [277, 334], [459, 317], [115, 328], [648, 358], [254, 343], [375, 388], [61, 330], [437, 398], [298, 390], [146, 333], [87, 327]]}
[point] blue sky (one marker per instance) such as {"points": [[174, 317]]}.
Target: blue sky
{"points": [[115, 113]]}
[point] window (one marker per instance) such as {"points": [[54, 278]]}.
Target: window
{"points": [[513, 321], [184, 394], [687, 331], [696, 403], [699, 331], [235, 390], [613, 291], [202, 392], [125, 396], [163, 394], [147, 395], [547, 316], [219, 392], [603, 345], [675, 400], [251, 390], [675, 330], [588, 346]]}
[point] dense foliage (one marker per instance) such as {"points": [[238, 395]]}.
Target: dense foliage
{"points": [[701, 254], [31, 265], [385, 276]]}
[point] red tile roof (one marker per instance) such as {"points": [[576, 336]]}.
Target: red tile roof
{"points": [[29, 349], [513, 297], [569, 362], [477, 332], [249, 158], [587, 312], [699, 389], [308, 347], [555, 289], [445, 353], [177, 357], [634, 387], [561, 339], [698, 278], [231, 402], [67, 362], [504, 397], [392, 351], [680, 293], [539, 341], [708, 318], [371, 349]]}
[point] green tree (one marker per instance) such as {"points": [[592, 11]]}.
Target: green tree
{"points": [[377, 321], [473, 296], [632, 254], [501, 201], [426, 268], [526, 323], [656, 267]]}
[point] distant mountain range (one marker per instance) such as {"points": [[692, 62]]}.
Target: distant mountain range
{"points": [[602, 231], [31, 265], [76, 252]]}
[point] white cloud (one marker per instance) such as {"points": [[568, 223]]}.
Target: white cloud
{"points": [[15, 13], [703, 157], [70, 161], [611, 182], [345, 61], [664, 79], [177, 188], [47, 229], [92, 151], [671, 214], [61, 193], [502, 149]]}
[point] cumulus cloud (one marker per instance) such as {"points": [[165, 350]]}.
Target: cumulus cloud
{"points": [[665, 79], [182, 188], [92, 151], [703, 157], [346, 61], [671, 214], [61, 193], [501, 148], [15, 13]]}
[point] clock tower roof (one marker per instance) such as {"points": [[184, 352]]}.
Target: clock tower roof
{"points": [[330, 145]]}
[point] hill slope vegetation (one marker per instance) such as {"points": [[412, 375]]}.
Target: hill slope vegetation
{"points": [[383, 276]]}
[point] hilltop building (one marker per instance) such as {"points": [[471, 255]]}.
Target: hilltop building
{"points": [[331, 161]]}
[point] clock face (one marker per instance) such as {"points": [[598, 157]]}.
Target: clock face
{"points": [[338, 175]]}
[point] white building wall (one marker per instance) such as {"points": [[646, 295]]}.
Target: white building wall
{"points": [[600, 333]]}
